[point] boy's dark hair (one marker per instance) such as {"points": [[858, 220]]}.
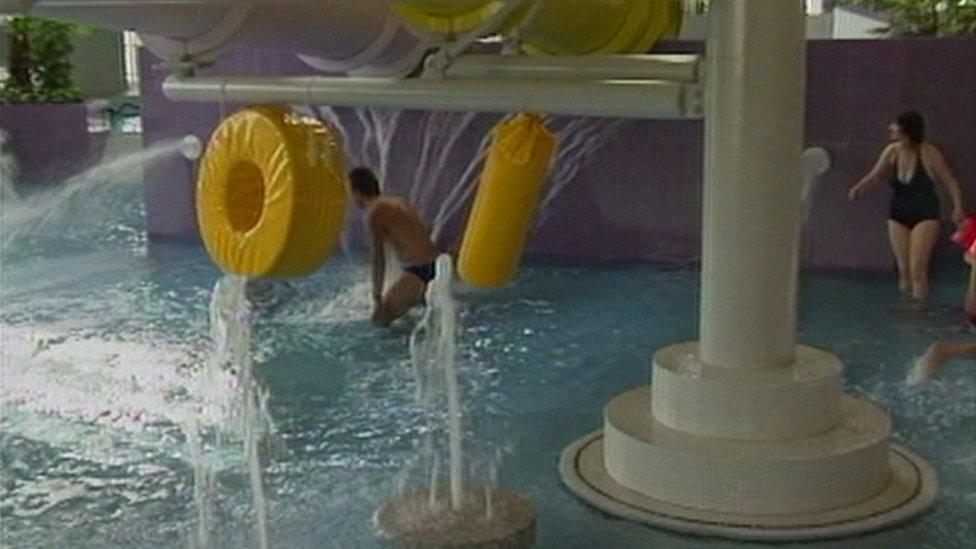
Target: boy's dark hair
{"points": [[913, 125], [363, 181]]}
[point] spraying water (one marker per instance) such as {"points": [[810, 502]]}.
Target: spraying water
{"points": [[474, 516], [24, 215], [433, 351], [463, 192], [430, 186], [8, 194], [8, 171], [816, 162], [230, 331], [223, 393], [579, 140]]}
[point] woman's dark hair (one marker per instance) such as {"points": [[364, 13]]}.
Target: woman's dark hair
{"points": [[363, 181], [912, 125]]}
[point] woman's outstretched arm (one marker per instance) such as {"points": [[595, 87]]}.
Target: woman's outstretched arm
{"points": [[881, 168]]}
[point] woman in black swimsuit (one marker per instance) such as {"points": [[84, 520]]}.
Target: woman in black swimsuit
{"points": [[912, 164]]}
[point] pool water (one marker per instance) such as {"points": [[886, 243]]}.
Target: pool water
{"points": [[103, 336]]}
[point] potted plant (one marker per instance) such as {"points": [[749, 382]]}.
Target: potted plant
{"points": [[42, 111]]}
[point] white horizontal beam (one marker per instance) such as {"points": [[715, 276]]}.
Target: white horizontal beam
{"points": [[599, 98], [672, 67]]}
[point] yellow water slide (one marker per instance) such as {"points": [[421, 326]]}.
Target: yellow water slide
{"points": [[555, 27]]}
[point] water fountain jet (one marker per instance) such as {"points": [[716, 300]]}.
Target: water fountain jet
{"points": [[462, 513]]}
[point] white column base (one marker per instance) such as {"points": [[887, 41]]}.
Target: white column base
{"points": [[910, 491], [775, 403], [666, 458], [835, 469]]}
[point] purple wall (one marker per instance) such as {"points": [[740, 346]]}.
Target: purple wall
{"points": [[854, 90], [170, 181], [639, 196], [49, 141]]}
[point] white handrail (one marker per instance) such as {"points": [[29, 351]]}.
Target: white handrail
{"points": [[600, 98], [672, 67]]}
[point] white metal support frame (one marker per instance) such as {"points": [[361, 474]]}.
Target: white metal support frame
{"points": [[686, 68], [609, 98], [745, 433]]}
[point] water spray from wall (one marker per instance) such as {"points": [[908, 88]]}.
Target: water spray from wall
{"points": [[25, 214]]}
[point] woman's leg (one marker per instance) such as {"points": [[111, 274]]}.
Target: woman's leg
{"points": [[900, 238], [923, 239]]}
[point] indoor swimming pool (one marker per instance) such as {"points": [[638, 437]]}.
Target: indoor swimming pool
{"points": [[104, 337]]}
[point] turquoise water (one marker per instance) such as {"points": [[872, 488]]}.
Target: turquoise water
{"points": [[103, 336]]}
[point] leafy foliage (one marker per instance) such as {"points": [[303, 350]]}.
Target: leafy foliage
{"points": [[924, 17], [38, 62]]}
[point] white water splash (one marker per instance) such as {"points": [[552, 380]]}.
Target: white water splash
{"points": [[579, 140], [24, 215], [230, 331], [816, 162], [354, 302], [49, 370], [440, 133], [433, 349], [8, 171], [8, 195], [462, 193]]}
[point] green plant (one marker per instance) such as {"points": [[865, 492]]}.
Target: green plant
{"points": [[923, 17], [38, 61], [700, 6]]}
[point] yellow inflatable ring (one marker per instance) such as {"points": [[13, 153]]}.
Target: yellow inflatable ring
{"points": [[271, 195], [508, 196]]}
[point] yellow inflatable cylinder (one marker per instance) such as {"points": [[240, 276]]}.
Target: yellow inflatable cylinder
{"points": [[271, 193], [508, 196]]}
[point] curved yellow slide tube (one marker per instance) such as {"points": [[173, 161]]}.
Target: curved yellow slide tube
{"points": [[558, 27]]}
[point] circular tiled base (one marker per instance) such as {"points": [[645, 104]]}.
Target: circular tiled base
{"points": [[410, 521], [910, 491]]}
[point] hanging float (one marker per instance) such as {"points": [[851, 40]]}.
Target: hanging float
{"points": [[508, 196], [271, 196]]}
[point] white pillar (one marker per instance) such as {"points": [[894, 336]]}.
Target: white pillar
{"points": [[756, 60]]}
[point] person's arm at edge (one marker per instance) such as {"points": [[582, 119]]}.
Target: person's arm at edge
{"points": [[877, 173], [945, 175]]}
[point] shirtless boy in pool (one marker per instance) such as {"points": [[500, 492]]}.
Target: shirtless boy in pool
{"points": [[392, 221]]}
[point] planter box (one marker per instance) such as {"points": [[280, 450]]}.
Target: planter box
{"points": [[49, 142]]}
